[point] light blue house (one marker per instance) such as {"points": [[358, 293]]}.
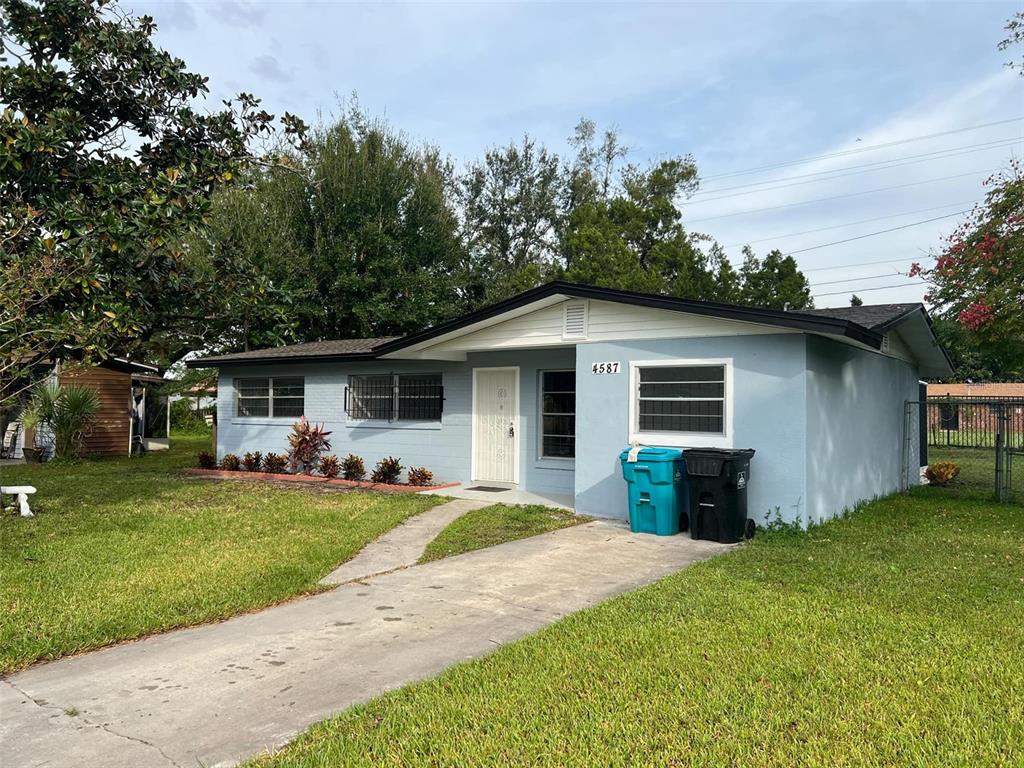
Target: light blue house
{"points": [[540, 393]]}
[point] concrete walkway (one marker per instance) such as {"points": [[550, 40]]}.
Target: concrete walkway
{"points": [[217, 694], [403, 545]]}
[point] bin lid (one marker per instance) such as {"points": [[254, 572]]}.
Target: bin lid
{"points": [[653, 454], [720, 453], [709, 462]]}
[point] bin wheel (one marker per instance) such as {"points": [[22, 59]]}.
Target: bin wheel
{"points": [[749, 529]]}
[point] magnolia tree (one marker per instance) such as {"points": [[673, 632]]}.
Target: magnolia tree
{"points": [[106, 160], [978, 279]]}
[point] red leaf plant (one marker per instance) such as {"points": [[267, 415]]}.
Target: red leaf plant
{"points": [[307, 441]]}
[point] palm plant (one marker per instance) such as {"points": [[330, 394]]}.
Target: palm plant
{"points": [[67, 411]]}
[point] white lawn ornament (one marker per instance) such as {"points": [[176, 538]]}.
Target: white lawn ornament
{"points": [[22, 492]]}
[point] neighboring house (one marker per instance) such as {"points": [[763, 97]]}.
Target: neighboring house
{"points": [[999, 389], [542, 392], [975, 411], [130, 405]]}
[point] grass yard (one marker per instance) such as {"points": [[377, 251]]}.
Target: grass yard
{"points": [[121, 548], [497, 524], [891, 637], [978, 468]]}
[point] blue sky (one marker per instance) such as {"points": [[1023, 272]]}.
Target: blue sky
{"points": [[739, 86]]}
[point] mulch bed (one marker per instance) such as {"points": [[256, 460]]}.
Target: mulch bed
{"points": [[221, 474]]}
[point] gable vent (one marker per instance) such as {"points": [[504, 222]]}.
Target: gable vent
{"points": [[885, 343], [574, 321]]}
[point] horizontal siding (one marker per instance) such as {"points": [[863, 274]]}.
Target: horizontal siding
{"points": [[108, 435], [608, 321]]}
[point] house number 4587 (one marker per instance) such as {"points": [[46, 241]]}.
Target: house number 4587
{"points": [[604, 368]]}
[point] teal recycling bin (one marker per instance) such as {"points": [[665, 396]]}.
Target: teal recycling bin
{"points": [[656, 482]]}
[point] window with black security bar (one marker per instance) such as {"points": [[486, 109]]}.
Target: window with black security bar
{"points": [[270, 396], [681, 398], [558, 414], [395, 397]]}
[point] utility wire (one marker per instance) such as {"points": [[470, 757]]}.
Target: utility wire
{"points": [[838, 173], [879, 232], [972, 147], [858, 150], [848, 224], [864, 290], [841, 197], [856, 279], [861, 264]]}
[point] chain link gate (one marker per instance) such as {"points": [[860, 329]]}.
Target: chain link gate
{"points": [[987, 427]]}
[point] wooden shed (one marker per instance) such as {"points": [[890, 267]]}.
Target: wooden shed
{"points": [[129, 406]]}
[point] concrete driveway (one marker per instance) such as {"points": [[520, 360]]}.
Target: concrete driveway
{"points": [[217, 694]]}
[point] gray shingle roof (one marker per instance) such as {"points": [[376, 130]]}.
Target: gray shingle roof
{"points": [[339, 347], [873, 316]]}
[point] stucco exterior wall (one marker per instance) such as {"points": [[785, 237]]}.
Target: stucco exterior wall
{"points": [[769, 415], [855, 415], [443, 448], [825, 419]]}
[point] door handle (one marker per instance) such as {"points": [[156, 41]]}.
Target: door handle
{"points": [[511, 430]]}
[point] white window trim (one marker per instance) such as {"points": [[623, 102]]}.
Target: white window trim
{"points": [[270, 418], [681, 439], [563, 461]]}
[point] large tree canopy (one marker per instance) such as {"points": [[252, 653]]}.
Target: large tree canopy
{"points": [[104, 163], [356, 238], [367, 234]]}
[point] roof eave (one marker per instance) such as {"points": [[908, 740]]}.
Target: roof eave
{"points": [[221, 362], [793, 320]]}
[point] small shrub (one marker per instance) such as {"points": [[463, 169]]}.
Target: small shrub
{"points": [[420, 476], [307, 442], [330, 466], [942, 472], [387, 471], [252, 461], [275, 463], [230, 463], [207, 460], [352, 467]]}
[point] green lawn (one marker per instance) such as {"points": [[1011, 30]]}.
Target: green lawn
{"points": [[891, 637], [978, 468], [121, 548], [497, 524]]}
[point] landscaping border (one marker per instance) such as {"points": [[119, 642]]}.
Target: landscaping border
{"points": [[223, 474]]}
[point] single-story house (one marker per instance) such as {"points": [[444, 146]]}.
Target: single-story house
{"points": [[541, 392]]}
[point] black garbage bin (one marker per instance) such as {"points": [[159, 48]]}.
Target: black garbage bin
{"points": [[718, 480]]}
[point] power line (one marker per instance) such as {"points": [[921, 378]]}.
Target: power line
{"points": [[861, 264], [864, 290], [858, 150], [857, 279], [849, 224], [839, 174], [841, 197], [984, 145], [879, 232]]}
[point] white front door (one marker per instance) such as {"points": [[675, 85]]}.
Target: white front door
{"points": [[496, 424]]}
